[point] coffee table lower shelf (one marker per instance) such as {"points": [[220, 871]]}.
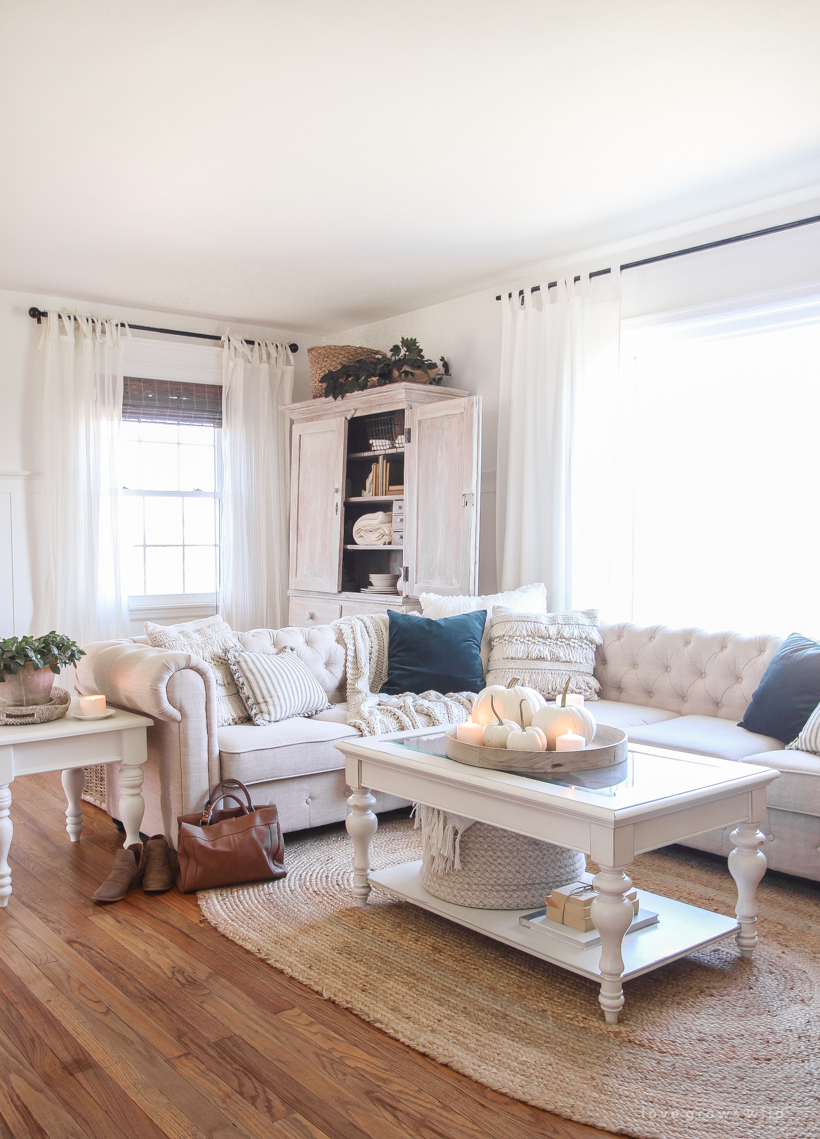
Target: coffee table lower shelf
{"points": [[680, 929]]}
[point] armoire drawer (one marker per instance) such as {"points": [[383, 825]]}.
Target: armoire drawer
{"points": [[362, 608], [304, 611]]}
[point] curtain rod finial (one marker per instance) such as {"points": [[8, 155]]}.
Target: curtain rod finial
{"points": [[36, 313], [293, 347]]}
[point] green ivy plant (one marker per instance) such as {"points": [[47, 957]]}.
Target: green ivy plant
{"points": [[52, 651], [404, 359]]}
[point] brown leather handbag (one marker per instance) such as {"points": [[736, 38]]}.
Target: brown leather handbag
{"points": [[229, 846]]}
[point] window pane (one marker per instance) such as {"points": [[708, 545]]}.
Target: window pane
{"points": [[163, 521], [163, 569], [129, 431], [200, 569], [159, 432], [133, 570], [200, 521], [132, 532], [159, 468], [130, 464], [196, 467], [201, 435]]}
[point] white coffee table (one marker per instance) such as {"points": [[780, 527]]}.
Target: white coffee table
{"points": [[69, 745], [661, 797]]}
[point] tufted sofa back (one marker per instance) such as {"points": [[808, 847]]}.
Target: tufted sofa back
{"points": [[316, 646], [683, 670]]}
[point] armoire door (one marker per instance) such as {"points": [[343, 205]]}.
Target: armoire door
{"points": [[442, 461], [317, 479]]}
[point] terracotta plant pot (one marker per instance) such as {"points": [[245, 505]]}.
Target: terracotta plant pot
{"points": [[28, 686]]}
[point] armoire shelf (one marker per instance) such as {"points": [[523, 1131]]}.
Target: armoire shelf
{"points": [[356, 546]]}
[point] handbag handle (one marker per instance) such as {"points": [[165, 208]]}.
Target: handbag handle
{"points": [[207, 810], [232, 784]]}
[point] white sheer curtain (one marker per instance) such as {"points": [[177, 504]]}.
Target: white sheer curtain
{"points": [[557, 440], [82, 410], [257, 381]]}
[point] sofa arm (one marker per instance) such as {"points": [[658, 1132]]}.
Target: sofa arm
{"points": [[136, 677], [178, 690]]}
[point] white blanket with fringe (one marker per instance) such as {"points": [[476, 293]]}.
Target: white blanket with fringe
{"points": [[373, 713]]}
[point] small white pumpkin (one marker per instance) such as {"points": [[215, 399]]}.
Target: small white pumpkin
{"points": [[557, 720], [508, 702], [528, 739], [497, 733]]}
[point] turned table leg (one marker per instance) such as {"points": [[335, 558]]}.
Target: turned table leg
{"points": [[361, 825], [132, 804], [747, 865], [73, 780], [6, 831], [612, 914]]}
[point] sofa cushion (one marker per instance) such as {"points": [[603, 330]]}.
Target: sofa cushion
{"points": [[706, 735], [278, 751], [335, 714], [525, 599], [798, 788], [544, 651], [619, 714], [442, 655], [789, 691], [276, 686]]}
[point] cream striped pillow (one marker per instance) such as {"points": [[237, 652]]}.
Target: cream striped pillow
{"points": [[809, 738], [276, 686], [545, 650]]}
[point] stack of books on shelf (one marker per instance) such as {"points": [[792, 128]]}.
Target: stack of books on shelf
{"points": [[383, 479]]}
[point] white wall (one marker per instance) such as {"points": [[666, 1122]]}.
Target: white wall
{"points": [[467, 330], [21, 449]]}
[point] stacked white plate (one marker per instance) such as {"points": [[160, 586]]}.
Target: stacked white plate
{"points": [[384, 582]]}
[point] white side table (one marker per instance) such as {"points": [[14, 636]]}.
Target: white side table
{"points": [[68, 745]]}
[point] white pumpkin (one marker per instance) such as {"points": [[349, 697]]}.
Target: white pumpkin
{"points": [[508, 702], [498, 732], [557, 720], [531, 739]]}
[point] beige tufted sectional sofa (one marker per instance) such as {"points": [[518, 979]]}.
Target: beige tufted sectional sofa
{"points": [[680, 689]]}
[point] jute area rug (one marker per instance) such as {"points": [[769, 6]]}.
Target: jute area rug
{"points": [[712, 1046]]}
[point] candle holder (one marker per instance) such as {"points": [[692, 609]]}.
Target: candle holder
{"points": [[609, 746]]}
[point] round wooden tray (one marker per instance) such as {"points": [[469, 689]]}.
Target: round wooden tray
{"points": [[609, 746]]}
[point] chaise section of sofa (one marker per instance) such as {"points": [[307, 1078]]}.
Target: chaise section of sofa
{"points": [[686, 690]]}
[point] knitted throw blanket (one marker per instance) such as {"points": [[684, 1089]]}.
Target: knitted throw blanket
{"points": [[373, 713]]}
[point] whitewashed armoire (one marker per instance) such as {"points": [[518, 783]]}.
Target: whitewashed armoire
{"points": [[431, 438]]}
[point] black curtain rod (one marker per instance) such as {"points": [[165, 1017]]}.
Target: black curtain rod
{"points": [[37, 314], [684, 252]]}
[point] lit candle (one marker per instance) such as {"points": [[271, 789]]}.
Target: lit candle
{"points": [[570, 742], [470, 733], [92, 705], [574, 700]]}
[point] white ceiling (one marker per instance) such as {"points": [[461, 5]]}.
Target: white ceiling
{"points": [[320, 164]]}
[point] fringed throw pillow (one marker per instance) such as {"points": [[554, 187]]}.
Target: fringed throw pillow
{"points": [[545, 650], [209, 639], [276, 686]]}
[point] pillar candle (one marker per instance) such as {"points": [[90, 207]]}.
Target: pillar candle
{"points": [[574, 700], [92, 705], [570, 742], [470, 733]]}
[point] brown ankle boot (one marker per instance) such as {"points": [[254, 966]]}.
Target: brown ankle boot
{"points": [[125, 873], [158, 876]]}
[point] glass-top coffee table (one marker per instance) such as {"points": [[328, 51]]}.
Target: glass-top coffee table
{"points": [[653, 799]]}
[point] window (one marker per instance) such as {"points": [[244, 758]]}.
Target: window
{"points": [[726, 478], [171, 475]]}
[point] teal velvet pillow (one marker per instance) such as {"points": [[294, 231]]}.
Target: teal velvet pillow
{"points": [[441, 655]]}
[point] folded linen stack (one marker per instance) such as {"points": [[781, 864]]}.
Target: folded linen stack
{"points": [[374, 529]]}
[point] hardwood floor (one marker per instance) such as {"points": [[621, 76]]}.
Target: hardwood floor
{"points": [[139, 1020]]}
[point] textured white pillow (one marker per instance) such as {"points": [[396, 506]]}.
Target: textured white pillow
{"points": [[276, 686], [545, 650], [209, 639], [526, 599]]}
